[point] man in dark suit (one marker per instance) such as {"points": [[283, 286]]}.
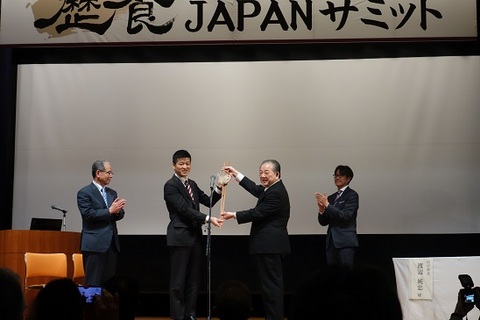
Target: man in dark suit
{"points": [[100, 208], [184, 234], [269, 240], [339, 212]]}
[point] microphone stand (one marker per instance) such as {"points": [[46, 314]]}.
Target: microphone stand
{"points": [[209, 256], [64, 216], [64, 220]]}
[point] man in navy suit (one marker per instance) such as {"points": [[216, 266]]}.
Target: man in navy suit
{"points": [[184, 234], [269, 241], [339, 212], [100, 208]]}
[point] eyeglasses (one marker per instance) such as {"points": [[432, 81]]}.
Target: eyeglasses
{"points": [[338, 175], [110, 173]]}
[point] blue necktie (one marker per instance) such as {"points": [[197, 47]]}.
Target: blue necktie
{"points": [[104, 195]]}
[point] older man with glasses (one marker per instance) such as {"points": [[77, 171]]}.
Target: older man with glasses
{"points": [[100, 208]]}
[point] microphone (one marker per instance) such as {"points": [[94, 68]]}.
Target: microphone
{"points": [[212, 181], [59, 209]]}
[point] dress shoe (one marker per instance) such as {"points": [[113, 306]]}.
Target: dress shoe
{"points": [[190, 317]]}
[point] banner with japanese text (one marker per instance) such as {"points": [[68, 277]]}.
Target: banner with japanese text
{"points": [[421, 279], [44, 22]]}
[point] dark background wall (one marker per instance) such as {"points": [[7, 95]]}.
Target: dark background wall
{"points": [[145, 259]]}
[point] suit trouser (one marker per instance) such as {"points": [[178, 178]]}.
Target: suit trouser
{"points": [[270, 276], [341, 256], [184, 280], [99, 266]]}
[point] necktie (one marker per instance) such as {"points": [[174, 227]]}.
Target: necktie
{"points": [[339, 193], [104, 195], [189, 189]]}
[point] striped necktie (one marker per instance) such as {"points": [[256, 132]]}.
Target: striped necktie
{"points": [[339, 193], [189, 189], [104, 195]]}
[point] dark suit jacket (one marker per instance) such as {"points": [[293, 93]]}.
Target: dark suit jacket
{"points": [[185, 218], [341, 218], [99, 227], [269, 218]]}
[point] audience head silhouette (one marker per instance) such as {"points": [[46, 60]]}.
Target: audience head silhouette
{"points": [[11, 296], [337, 292], [233, 301], [58, 300]]}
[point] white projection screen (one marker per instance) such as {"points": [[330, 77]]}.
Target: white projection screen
{"points": [[408, 127]]}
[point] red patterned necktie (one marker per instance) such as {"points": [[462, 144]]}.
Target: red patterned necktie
{"points": [[189, 189]]}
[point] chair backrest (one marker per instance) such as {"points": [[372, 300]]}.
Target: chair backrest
{"points": [[44, 265], [78, 271]]}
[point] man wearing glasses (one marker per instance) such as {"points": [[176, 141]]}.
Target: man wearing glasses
{"points": [[339, 212], [100, 208]]}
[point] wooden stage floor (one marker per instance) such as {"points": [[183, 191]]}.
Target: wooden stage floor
{"points": [[199, 318]]}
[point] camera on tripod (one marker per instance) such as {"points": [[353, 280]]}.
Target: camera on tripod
{"points": [[467, 292]]}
